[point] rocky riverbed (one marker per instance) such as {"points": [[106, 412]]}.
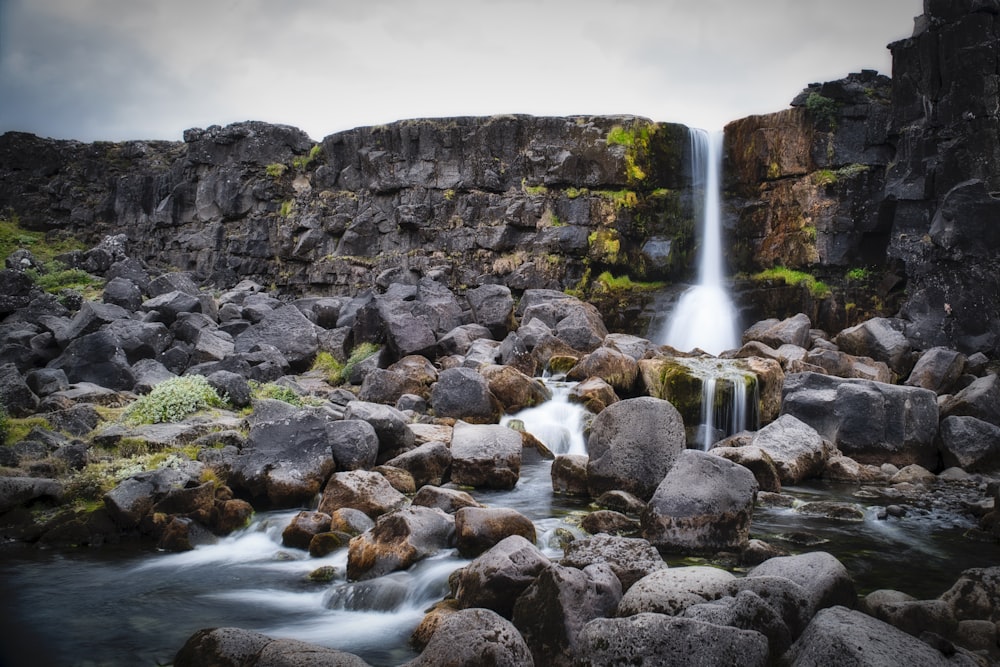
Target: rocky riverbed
{"points": [[167, 415]]}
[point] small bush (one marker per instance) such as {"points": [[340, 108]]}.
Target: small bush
{"points": [[172, 400], [58, 277], [823, 109], [330, 366], [358, 354], [860, 274]]}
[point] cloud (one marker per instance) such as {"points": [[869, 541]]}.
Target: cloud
{"points": [[115, 69]]}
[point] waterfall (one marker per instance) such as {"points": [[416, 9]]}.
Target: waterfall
{"points": [[728, 403], [705, 317]]}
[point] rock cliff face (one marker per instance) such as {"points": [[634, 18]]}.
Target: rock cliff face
{"points": [[885, 189], [517, 200]]}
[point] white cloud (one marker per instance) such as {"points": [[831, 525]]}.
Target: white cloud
{"points": [[116, 69]]}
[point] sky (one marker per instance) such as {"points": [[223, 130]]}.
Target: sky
{"points": [[149, 69]]}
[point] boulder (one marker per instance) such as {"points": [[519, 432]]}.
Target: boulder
{"points": [[133, 499], [91, 317], [515, 390], [840, 636], [937, 369], [16, 398], [406, 332], [381, 385], [390, 425], [492, 308], [870, 422], [748, 611], [362, 490], [233, 386], [123, 293], [970, 444], [460, 339], [823, 577], [41, 381], [981, 400], [287, 330], [630, 558], [398, 540], [569, 474], [757, 461], [974, 595], [449, 500], [286, 461], [614, 367], [594, 394], [18, 491], [387, 593], [795, 447], [350, 521], [789, 600], [303, 527], [474, 637], [703, 505], [354, 444], [464, 394], [168, 306], [429, 463], [479, 528], [149, 373], [881, 339], [672, 590], [97, 358], [551, 612], [775, 333], [633, 444], [485, 455], [648, 640], [234, 646], [610, 522], [495, 579]]}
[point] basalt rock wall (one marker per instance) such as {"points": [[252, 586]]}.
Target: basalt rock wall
{"points": [[884, 189], [519, 200]]}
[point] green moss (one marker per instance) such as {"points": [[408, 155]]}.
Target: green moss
{"points": [[625, 283], [330, 366], [621, 198], [287, 208], [302, 162], [817, 288], [573, 193], [636, 143], [358, 354], [276, 169], [605, 244], [43, 247], [276, 392], [172, 400], [449, 194], [18, 429], [773, 171], [824, 177], [533, 190], [859, 274], [4, 425]]}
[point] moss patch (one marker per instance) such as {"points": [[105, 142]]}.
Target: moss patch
{"points": [[817, 288]]}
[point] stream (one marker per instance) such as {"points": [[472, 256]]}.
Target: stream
{"points": [[126, 606]]}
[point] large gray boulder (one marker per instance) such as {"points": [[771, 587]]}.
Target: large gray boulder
{"points": [[630, 558], [551, 612], [823, 577], [464, 394], [795, 447], [398, 540], [390, 425], [881, 339], [362, 490], [970, 444], [485, 455], [96, 358], [703, 505], [657, 640], [492, 308], [672, 590], [479, 528], [474, 637], [16, 398], [235, 646], [775, 333], [981, 399], [749, 611], [496, 578], [937, 369], [287, 330], [839, 636], [429, 463], [286, 461], [870, 422], [17, 491], [632, 446], [353, 443]]}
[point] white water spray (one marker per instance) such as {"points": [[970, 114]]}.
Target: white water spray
{"points": [[705, 317]]}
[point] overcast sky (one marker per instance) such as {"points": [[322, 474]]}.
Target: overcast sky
{"points": [[149, 69]]}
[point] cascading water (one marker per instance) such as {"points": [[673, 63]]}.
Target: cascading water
{"points": [[705, 317]]}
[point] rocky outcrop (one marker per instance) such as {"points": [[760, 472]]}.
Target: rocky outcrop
{"points": [[520, 201]]}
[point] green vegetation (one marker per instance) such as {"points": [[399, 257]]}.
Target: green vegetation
{"points": [[635, 141], [573, 193], [17, 430], [823, 109], [287, 208], [172, 400], [449, 194], [831, 176], [302, 162], [859, 274], [4, 425], [605, 244], [533, 189], [259, 390], [621, 198], [57, 277], [824, 177], [618, 283], [358, 354], [817, 288], [276, 169], [330, 366], [13, 236]]}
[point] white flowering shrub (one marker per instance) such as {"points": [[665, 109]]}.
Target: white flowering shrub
{"points": [[172, 400]]}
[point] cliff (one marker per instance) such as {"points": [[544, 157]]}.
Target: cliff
{"points": [[517, 200], [884, 188]]}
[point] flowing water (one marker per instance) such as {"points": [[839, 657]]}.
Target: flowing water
{"points": [[705, 317], [132, 607]]}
